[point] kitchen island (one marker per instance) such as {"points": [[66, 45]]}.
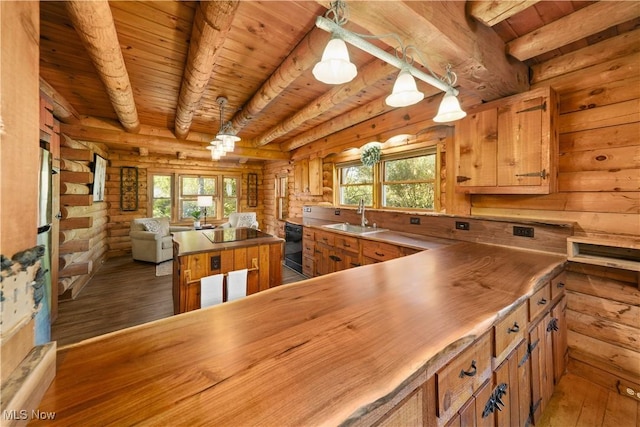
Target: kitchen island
{"points": [[202, 253], [348, 347]]}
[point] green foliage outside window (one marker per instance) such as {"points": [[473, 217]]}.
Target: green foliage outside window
{"points": [[356, 183], [162, 196], [409, 183]]}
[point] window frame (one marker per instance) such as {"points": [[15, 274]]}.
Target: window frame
{"points": [[176, 198], [378, 179], [374, 195]]}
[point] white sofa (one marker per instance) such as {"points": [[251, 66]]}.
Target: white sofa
{"points": [[151, 239], [241, 219]]}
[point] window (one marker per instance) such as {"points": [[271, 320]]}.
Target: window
{"points": [[356, 183], [404, 181], [409, 182], [282, 197], [230, 196], [175, 196], [161, 199], [190, 188]]}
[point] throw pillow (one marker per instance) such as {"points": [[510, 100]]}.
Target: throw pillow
{"points": [[151, 225], [245, 220]]}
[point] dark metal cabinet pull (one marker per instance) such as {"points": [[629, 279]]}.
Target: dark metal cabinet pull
{"points": [[515, 328], [553, 325], [379, 254], [472, 372], [542, 301], [560, 285]]}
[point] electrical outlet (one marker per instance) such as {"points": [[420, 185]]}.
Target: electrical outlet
{"points": [[629, 390], [307, 208], [462, 225], [337, 212], [522, 231], [215, 262], [414, 220]]}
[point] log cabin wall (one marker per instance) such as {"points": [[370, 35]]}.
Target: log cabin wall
{"points": [[118, 241], [598, 188], [83, 224]]}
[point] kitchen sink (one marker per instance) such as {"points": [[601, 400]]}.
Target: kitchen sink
{"points": [[355, 229]]}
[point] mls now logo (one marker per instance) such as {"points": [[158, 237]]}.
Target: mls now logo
{"points": [[23, 414]]}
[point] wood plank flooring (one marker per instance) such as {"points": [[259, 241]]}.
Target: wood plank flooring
{"points": [[126, 293]]}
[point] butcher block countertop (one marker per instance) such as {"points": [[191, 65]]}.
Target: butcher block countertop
{"points": [[317, 352]]}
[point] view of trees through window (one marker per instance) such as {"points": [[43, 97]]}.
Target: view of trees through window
{"points": [[230, 199], [408, 182], [161, 196], [190, 188], [356, 183]]}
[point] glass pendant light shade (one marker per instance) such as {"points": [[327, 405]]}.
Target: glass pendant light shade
{"points": [[335, 66], [449, 110], [227, 141], [405, 92], [217, 150]]}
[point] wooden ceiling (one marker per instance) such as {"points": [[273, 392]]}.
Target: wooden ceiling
{"points": [[146, 74]]}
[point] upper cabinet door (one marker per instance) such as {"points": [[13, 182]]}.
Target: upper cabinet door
{"points": [[509, 146]]}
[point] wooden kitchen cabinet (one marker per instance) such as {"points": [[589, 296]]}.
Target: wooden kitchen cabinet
{"points": [[509, 146], [308, 176], [308, 252], [512, 387]]}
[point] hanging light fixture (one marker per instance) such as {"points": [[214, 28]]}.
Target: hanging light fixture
{"points": [[449, 109], [335, 67], [405, 91], [225, 139]]}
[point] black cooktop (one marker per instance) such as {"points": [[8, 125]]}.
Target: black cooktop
{"points": [[222, 235]]}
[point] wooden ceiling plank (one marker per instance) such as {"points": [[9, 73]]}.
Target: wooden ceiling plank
{"points": [[94, 24], [494, 11], [443, 35], [580, 24], [210, 28], [303, 56], [367, 76]]}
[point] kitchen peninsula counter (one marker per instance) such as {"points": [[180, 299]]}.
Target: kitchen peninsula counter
{"points": [[319, 352]]}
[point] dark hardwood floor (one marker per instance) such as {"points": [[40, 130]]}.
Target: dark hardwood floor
{"points": [[122, 293], [125, 293]]}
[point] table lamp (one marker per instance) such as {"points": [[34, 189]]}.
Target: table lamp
{"points": [[205, 202]]}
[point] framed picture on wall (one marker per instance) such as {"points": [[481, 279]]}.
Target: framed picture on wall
{"points": [[99, 176]]}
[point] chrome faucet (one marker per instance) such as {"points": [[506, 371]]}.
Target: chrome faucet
{"points": [[363, 220]]}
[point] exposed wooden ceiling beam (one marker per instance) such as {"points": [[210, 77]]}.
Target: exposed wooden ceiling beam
{"points": [[580, 24], [492, 12], [62, 109], [376, 70], [441, 32], [94, 24], [118, 139], [211, 25], [306, 54]]}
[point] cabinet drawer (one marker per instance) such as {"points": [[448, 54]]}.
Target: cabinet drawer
{"points": [[457, 381], [539, 301], [308, 233], [307, 266], [509, 331], [380, 251], [325, 238], [558, 285], [347, 243], [308, 248]]}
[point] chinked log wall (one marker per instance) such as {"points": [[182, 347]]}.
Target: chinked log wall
{"points": [[83, 223], [119, 243]]}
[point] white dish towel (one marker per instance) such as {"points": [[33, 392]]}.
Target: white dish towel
{"points": [[236, 284], [211, 290]]}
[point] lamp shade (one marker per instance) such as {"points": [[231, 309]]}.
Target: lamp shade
{"points": [[205, 201], [405, 92], [216, 150], [335, 66], [449, 109]]}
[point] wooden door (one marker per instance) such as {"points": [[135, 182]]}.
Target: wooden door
{"points": [[560, 354], [519, 143], [541, 366], [477, 139], [512, 381]]}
